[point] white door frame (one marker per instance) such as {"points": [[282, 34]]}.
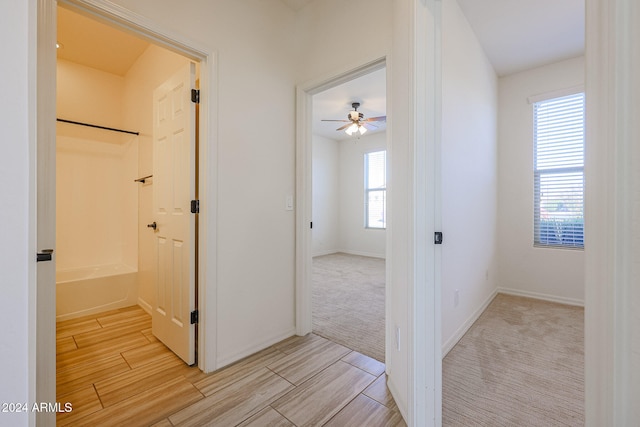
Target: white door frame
{"points": [[45, 27], [304, 203], [611, 219]]}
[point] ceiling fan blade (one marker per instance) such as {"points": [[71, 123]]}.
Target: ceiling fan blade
{"points": [[376, 119], [328, 120], [369, 124], [344, 127]]}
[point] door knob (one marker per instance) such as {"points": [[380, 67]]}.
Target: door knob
{"points": [[153, 225]]}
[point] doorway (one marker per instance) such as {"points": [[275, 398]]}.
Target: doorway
{"points": [[115, 204], [46, 161], [349, 142], [317, 221]]}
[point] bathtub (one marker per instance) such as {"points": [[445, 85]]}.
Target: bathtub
{"points": [[90, 290]]}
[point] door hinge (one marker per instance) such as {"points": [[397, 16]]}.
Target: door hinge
{"points": [[437, 237], [195, 206], [45, 255], [195, 96], [194, 317]]}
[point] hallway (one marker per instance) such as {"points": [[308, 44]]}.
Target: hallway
{"points": [[113, 371]]}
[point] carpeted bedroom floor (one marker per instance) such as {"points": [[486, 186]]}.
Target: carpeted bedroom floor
{"points": [[348, 302], [520, 364]]}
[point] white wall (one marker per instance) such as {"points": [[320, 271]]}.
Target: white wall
{"points": [[153, 67], [354, 237], [326, 195], [96, 199], [17, 253], [549, 273], [469, 174]]}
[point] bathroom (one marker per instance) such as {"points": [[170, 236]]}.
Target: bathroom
{"points": [[104, 188]]}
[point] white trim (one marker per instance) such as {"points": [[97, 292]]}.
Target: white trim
{"points": [[145, 306], [256, 347], [611, 382], [327, 252], [303, 211], [555, 94], [349, 252], [425, 341], [400, 404], [42, 107], [544, 297], [599, 170], [363, 253], [457, 336]]}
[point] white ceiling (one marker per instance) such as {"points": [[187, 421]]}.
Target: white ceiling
{"points": [[93, 44], [521, 34]]}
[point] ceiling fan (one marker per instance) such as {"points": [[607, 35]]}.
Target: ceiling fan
{"points": [[356, 121]]}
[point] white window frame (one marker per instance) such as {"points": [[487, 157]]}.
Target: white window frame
{"points": [[558, 232], [368, 190]]}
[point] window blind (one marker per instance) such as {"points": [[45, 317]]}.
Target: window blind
{"points": [[559, 172], [375, 189]]}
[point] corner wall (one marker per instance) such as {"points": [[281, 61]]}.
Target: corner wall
{"points": [[354, 238], [469, 176], [338, 197], [554, 274]]}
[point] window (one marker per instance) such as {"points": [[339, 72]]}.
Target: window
{"points": [[559, 172], [375, 189]]}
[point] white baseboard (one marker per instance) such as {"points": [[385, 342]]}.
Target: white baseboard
{"points": [[451, 342], [396, 396], [350, 252], [361, 253], [234, 357], [327, 252], [540, 296], [145, 306]]}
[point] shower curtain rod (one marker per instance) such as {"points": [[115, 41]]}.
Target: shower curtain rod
{"points": [[98, 127]]}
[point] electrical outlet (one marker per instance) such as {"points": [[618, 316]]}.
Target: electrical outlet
{"points": [[456, 298]]}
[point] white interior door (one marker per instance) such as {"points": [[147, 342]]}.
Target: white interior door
{"points": [[174, 180]]}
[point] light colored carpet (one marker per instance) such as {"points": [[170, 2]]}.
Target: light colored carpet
{"points": [[520, 364], [348, 302]]}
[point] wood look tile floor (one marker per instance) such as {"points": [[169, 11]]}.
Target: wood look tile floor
{"points": [[115, 373]]}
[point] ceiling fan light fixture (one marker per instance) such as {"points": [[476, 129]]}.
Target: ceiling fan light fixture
{"points": [[351, 129], [362, 129]]}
